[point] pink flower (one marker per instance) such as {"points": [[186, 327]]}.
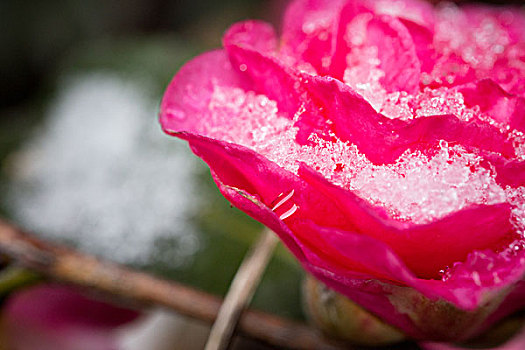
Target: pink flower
{"points": [[49, 317], [383, 142]]}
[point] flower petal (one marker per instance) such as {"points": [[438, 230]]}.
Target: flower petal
{"points": [[250, 181], [185, 105], [341, 47], [266, 74], [383, 140], [238, 167], [391, 38], [307, 31], [422, 37], [428, 248], [508, 172], [256, 35], [503, 107], [417, 11], [397, 53]]}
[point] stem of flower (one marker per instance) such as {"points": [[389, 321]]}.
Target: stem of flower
{"points": [[241, 291]]}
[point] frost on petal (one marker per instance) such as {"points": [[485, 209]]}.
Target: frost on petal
{"points": [[308, 33], [510, 18], [396, 53], [479, 42], [422, 38], [239, 167], [425, 249], [417, 11], [383, 140], [360, 29], [266, 74], [185, 106], [257, 35], [504, 108]]}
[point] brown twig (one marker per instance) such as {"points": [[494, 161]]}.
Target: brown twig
{"points": [[70, 266], [241, 291]]}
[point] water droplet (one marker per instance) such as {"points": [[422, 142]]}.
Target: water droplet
{"points": [[243, 67]]}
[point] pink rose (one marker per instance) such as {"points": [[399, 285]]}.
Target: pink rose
{"points": [[383, 142]]}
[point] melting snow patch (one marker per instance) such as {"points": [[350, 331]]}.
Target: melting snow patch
{"points": [[101, 174]]}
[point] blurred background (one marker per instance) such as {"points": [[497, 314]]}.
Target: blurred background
{"points": [[83, 160]]}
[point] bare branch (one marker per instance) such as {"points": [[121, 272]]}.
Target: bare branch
{"points": [[70, 266]]}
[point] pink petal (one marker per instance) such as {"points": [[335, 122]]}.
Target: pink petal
{"points": [[421, 308], [424, 308], [243, 174], [239, 170], [508, 172], [267, 74], [252, 183], [307, 31], [503, 107], [256, 35], [422, 37], [383, 140], [341, 49], [418, 11], [186, 101], [239, 167], [397, 53], [510, 78], [396, 49], [428, 248]]}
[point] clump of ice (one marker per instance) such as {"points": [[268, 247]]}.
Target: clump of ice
{"points": [[256, 115], [417, 187], [479, 44], [101, 174], [516, 197]]}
